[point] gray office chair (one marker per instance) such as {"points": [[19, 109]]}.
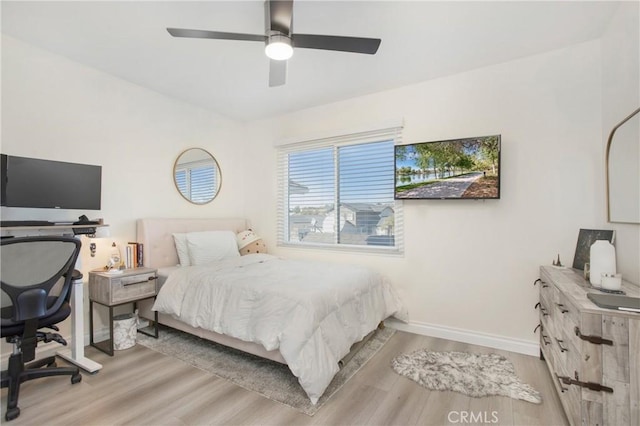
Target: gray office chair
{"points": [[36, 277]]}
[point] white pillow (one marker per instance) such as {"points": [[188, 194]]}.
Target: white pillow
{"points": [[182, 249], [209, 246]]}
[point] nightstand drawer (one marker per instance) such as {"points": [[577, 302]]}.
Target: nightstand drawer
{"points": [[129, 286], [133, 288]]}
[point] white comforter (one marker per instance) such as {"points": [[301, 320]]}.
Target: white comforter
{"points": [[311, 311]]}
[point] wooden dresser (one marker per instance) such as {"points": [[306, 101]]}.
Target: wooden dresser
{"points": [[592, 353]]}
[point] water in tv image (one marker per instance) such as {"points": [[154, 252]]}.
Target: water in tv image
{"points": [[454, 169]]}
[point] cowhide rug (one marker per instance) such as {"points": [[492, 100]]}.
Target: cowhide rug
{"points": [[475, 375]]}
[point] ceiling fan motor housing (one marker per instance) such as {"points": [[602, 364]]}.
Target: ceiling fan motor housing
{"points": [[278, 46]]}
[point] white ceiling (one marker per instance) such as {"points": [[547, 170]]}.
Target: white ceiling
{"points": [[420, 41]]}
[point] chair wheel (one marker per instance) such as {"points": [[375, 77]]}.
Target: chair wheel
{"points": [[76, 378], [12, 413]]}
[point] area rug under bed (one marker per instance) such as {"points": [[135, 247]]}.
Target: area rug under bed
{"points": [[268, 378]]}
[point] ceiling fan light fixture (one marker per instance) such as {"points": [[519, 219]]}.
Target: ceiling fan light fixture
{"points": [[279, 47]]}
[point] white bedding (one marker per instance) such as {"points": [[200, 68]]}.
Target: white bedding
{"points": [[311, 311]]}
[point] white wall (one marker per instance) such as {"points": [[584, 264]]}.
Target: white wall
{"points": [[621, 96], [469, 266], [57, 109]]}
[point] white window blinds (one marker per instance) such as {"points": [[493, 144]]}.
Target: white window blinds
{"points": [[338, 192]]}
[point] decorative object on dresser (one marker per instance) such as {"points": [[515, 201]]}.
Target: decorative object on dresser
{"points": [[586, 237], [130, 286], [602, 258], [476, 375], [557, 263], [593, 353]]}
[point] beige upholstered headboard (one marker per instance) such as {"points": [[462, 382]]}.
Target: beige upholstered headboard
{"points": [[156, 235]]}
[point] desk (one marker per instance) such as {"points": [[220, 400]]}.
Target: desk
{"points": [[75, 354]]}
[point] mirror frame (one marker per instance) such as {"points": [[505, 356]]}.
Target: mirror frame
{"points": [[218, 171], [613, 131]]}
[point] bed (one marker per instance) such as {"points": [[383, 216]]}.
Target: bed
{"points": [[304, 314]]}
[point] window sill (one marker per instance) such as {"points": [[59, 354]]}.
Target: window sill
{"points": [[378, 250]]}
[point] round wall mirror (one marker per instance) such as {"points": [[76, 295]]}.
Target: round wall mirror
{"points": [[197, 176]]}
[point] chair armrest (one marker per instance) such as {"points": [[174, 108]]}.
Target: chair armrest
{"points": [[75, 275]]}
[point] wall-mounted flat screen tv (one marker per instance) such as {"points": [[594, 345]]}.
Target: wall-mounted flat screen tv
{"points": [[466, 168], [32, 182]]}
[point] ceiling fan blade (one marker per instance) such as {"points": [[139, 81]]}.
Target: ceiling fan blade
{"points": [[339, 43], [277, 73], [278, 14], [218, 35]]}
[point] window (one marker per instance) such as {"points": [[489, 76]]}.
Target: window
{"points": [[338, 192]]}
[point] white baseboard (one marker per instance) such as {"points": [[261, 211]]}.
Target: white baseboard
{"points": [[525, 347]]}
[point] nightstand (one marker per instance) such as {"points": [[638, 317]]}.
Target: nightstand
{"points": [[111, 290]]}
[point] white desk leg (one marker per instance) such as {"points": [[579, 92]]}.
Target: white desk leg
{"points": [[75, 355]]}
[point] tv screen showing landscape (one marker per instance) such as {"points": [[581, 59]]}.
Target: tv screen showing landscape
{"points": [[466, 168]]}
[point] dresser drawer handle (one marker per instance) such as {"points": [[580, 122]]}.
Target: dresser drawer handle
{"points": [[545, 339], [597, 387], [562, 308], [596, 340], [542, 283], [543, 310], [560, 342], [561, 380]]}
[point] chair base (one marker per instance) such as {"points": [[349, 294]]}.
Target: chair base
{"points": [[18, 372]]}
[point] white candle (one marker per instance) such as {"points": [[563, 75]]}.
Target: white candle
{"points": [[611, 281]]}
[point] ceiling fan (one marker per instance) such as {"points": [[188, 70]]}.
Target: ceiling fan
{"points": [[280, 40]]}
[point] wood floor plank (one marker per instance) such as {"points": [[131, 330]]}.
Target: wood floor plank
{"points": [[139, 386], [443, 407]]}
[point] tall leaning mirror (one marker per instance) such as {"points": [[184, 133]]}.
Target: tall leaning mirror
{"points": [[197, 176], [623, 171]]}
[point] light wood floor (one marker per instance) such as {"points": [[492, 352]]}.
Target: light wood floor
{"points": [[141, 387]]}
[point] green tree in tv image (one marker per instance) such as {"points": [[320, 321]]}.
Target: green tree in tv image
{"points": [[464, 168]]}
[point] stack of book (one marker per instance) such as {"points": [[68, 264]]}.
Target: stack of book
{"points": [[133, 256]]}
